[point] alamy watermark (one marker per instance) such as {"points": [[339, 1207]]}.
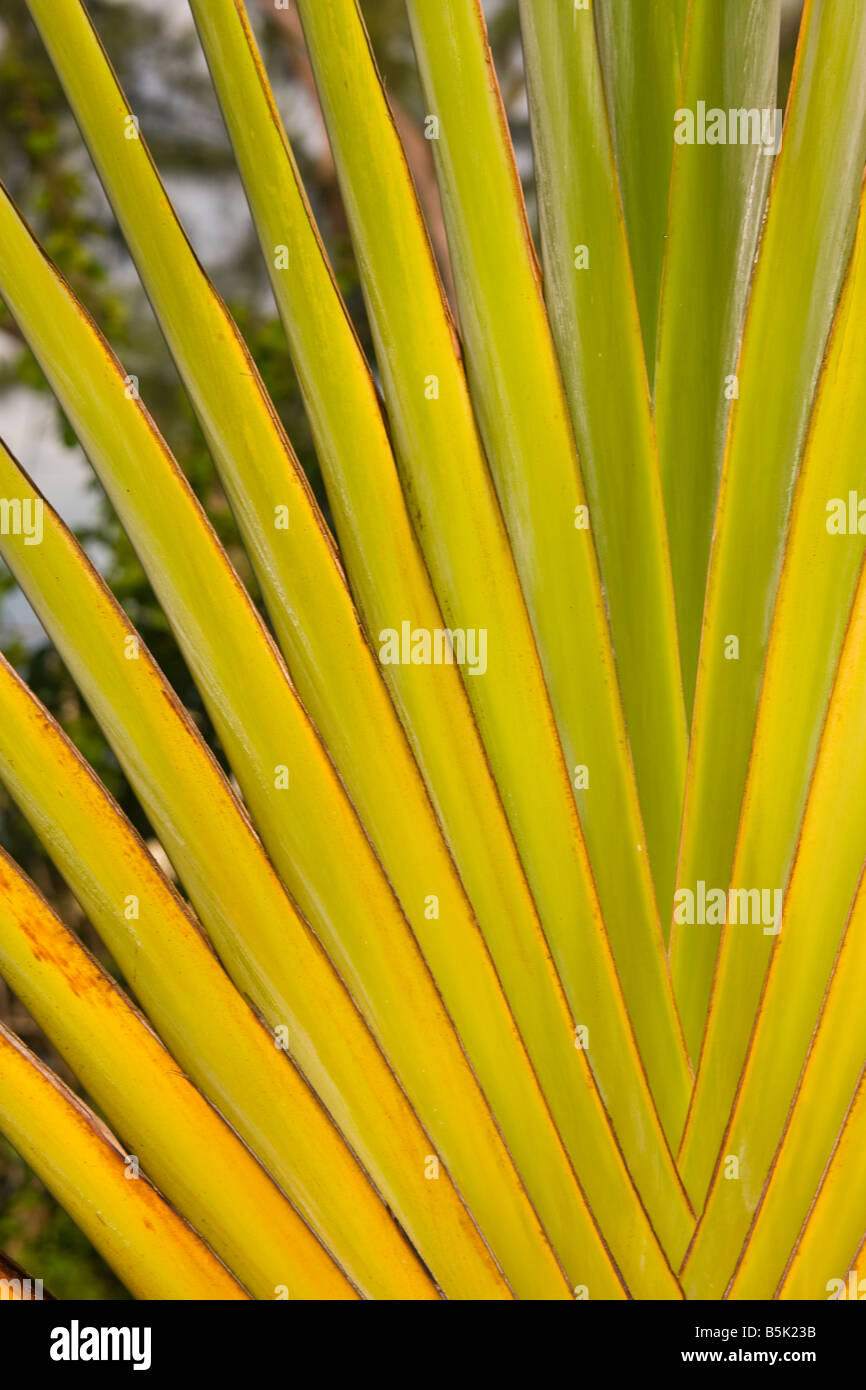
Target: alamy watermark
{"points": [[24, 1290], [847, 516], [713, 907], [853, 1289], [439, 646], [77, 1343], [22, 517], [737, 126]]}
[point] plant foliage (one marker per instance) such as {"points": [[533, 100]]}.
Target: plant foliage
{"points": [[532, 913]]}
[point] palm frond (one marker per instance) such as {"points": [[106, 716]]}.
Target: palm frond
{"points": [[414, 993]]}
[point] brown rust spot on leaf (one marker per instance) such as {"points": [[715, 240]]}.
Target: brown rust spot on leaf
{"points": [[79, 980]]}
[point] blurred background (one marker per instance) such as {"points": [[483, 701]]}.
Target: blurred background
{"points": [[43, 163]]}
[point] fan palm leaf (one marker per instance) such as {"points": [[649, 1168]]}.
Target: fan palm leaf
{"points": [[433, 991]]}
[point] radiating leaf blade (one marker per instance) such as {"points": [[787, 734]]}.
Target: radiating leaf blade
{"points": [[640, 46], [830, 1078], [805, 247], [717, 202], [593, 317], [830, 1249], [196, 1010], [390, 582], [817, 585], [467, 552], [151, 1250], [518, 399], [290, 786], [320, 635], [267, 949], [164, 1121], [821, 890]]}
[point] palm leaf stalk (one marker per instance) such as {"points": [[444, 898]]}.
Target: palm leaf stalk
{"points": [[441, 1000], [146, 1242], [137, 1085]]}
